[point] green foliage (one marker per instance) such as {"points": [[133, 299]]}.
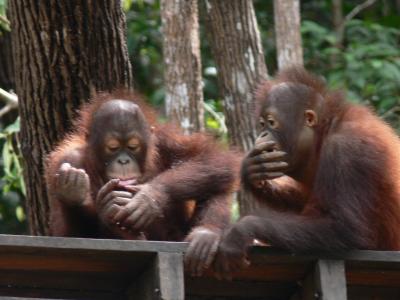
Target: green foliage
{"points": [[12, 216], [367, 67], [215, 119], [12, 178], [235, 211], [145, 50], [4, 23], [144, 40]]}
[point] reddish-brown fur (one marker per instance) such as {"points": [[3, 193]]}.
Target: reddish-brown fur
{"points": [[190, 167], [354, 199]]}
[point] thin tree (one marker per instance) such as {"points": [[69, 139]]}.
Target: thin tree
{"points": [[339, 22], [63, 52], [337, 15], [287, 32], [235, 42], [182, 61]]}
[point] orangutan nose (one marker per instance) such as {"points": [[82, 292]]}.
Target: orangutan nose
{"points": [[123, 161], [263, 134]]}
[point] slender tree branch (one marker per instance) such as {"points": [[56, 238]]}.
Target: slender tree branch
{"points": [[4, 20], [393, 110], [356, 10], [217, 117], [339, 28], [11, 101], [6, 109], [9, 98]]}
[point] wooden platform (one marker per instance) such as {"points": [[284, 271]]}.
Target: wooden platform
{"points": [[71, 268], [364, 275]]}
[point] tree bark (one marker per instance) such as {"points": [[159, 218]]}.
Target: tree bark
{"points": [[235, 42], [7, 81], [182, 60], [63, 52], [337, 8], [287, 32]]}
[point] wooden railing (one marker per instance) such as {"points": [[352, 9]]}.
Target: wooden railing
{"points": [[72, 268]]}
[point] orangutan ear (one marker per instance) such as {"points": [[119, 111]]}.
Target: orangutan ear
{"points": [[311, 118]]}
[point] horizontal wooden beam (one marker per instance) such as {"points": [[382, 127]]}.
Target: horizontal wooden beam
{"points": [[268, 254], [103, 269], [20, 242]]}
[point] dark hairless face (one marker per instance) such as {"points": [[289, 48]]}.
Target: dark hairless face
{"points": [[120, 135], [285, 122]]}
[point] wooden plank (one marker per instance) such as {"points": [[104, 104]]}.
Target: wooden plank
{"points": [[75, 262], [33, 243], [98, 282], [374, 277], [209, 288], [162, 280], [170, 270], [154, 270], [326, 282], [267, 255], [331, 279], [272, 275], [107, 280], [373, 293], [269, 272], [30, 294], [75, 268]]}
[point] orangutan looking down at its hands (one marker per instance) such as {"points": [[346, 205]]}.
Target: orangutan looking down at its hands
{"points": [[326, 171], [122, 175]]}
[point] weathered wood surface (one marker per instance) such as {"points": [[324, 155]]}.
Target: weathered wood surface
{"points": [[72, 268], [275, 274], [162, 280], [326, 282]]}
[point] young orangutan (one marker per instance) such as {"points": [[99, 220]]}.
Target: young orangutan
{"points": [[120, 174], [328, 171]]}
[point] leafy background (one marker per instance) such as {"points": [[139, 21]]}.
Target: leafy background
{"points": [[366, 66]]}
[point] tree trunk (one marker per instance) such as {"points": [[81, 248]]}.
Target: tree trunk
{"points": [[337, 8], [7, 81], [63, 52], [287, 32], [236, 46], [182, 60]]}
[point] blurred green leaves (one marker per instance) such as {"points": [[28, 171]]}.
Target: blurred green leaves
{"points": [[12, 216], [11, 160], [367, 67], [4, 22]]}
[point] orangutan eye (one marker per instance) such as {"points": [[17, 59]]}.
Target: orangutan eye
{"points": [[262, 123], [134, 148], [272, 122], [134, 144], [113, 148], [113, 145]]}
